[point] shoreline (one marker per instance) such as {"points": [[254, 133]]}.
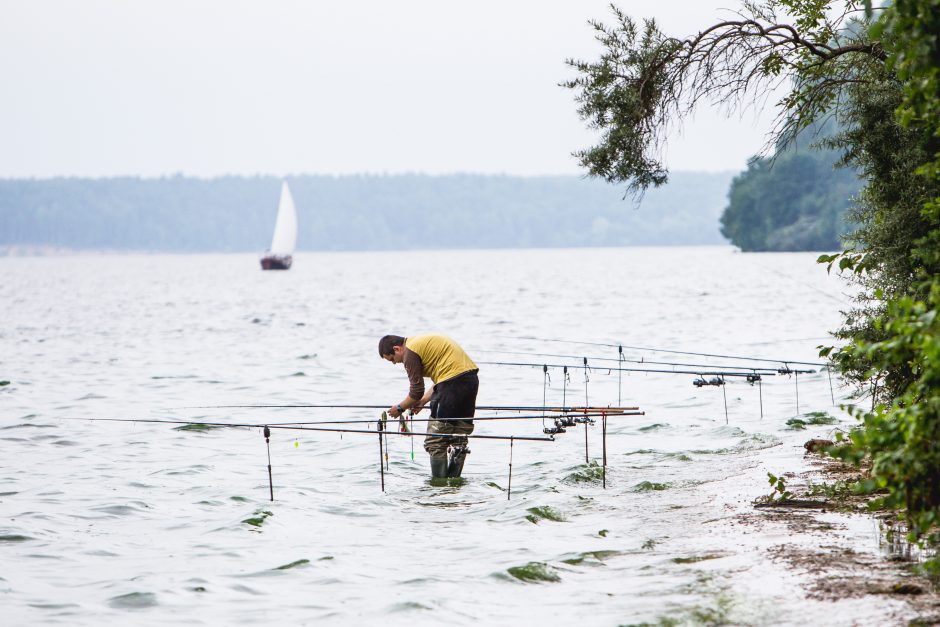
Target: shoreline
{"points": [[821, 523]]}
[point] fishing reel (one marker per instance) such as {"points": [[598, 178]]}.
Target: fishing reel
{"points": [[702, 382], [753, 378], [560, 424], [584, 420]]}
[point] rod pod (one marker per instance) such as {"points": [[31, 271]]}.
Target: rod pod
{"points": [[267, 441], [381, 452], [587, 459], [509, 485]]}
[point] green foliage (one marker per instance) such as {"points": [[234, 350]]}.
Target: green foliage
{"points": [[645, 81], [894, 336], [780, 492], [902, 435], [622, 107], [885, 257], [916, 60]]}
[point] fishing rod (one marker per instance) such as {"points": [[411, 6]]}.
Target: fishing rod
{"points": [[622, 359], [495, 408], [675, 352], [381, 431], [289, 427], [597, 414], [588, 367]]}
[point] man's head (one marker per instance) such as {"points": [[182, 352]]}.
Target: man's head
{"points": [[392, 348]]}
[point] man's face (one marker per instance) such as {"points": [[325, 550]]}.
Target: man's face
{"points": [[396, 356]]}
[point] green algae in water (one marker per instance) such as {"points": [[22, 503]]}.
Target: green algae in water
{"points": [[603, 533], [654, 426], [134, 601], [239, 499], [197, 426], [649, 486], [820, 418], [718, 614], [293, 564], [590, 556], [534, 572], [258, 519], [812, 418], [544, 513], [409, 606], [696, 558], [3, 383], [14, 538], [446, 482], [796, 424], [586, 473]]}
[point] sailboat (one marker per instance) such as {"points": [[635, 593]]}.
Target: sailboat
{"points": [[279, 256]]}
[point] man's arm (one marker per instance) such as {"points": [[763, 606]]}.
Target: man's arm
{"points": [[416, 393]]}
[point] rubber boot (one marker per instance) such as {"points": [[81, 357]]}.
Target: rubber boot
{"points": [[439, 467], [457, 458]]}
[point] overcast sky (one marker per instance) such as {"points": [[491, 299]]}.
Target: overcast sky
{"points": [[212, 87]]}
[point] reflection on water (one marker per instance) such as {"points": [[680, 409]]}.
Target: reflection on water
{"points": [[147, 522]]}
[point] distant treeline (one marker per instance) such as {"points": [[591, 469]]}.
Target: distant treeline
{"points": [[356, 212]]}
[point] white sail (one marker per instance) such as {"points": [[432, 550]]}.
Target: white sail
{"points": [[285, 228]]}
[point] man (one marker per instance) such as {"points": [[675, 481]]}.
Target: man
{"points": [[452, 395]]}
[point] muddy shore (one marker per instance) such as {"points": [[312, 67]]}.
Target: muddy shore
{"points": [[819, 526]]}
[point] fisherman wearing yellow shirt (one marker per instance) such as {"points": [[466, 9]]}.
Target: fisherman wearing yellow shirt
{"points": [[452, 396]]}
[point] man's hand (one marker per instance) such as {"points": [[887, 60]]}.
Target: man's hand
{"points": [[393, 411], [424, 400]]}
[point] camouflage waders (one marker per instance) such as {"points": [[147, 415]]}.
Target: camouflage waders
{"points": [[454, 398]]}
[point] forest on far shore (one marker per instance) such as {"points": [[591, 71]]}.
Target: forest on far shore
{"points": [[357, 212]]}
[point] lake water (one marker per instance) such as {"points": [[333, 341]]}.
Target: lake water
{"points": [[118, 522]]}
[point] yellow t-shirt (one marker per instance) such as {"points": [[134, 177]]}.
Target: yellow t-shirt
{"points": [[443, 358]]}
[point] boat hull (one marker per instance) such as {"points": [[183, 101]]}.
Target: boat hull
{"points": [[276, 262]]}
